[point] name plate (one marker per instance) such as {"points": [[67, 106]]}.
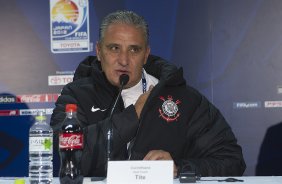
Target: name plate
{"points": [[140, 172]]}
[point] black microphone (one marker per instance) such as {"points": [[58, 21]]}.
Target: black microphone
{"points": [[123, 80]]}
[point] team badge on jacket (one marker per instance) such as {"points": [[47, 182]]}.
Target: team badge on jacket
{"points": [[169, 111]]}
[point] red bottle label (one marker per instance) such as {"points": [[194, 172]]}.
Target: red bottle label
{"points": [[71, 141]]}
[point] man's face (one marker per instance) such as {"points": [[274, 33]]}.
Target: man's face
{"points": [[123, 51]]}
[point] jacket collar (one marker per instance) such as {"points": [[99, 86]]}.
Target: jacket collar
{"points": [[156, 66]]}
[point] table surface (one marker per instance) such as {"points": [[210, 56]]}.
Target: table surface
{"points": [[204, 180]]}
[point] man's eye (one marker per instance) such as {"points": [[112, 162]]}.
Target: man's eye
{"points": [[114, 48], [135, 49]]}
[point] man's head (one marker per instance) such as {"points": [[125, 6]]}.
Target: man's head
{"points": [[123, 46]]}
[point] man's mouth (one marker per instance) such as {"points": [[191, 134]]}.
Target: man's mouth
{"points": [[120, 72]]}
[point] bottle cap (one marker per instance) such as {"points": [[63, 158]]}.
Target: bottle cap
{"points": [[19, 181], [40, 116], [71, 107]]}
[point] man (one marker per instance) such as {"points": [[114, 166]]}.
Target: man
{"points": [[158, 117]]}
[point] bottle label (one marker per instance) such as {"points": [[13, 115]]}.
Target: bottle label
{"points": [[71, 141], [41, 144]]}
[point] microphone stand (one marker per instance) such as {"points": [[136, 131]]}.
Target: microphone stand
{"points": [[110, 131], [123, 79]]}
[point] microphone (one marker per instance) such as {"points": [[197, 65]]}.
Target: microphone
{"points": [[123, 80]]}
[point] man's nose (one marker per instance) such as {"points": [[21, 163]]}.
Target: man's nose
{"points": [[124, 58]]}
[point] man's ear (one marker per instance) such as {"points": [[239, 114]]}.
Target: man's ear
{"points": [[98, 50], [148, 50]]}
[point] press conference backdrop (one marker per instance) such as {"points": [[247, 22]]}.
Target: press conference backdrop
{"points": [[230, 50]]}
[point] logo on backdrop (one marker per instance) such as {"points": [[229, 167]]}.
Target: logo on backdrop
{"points": [[10, 112], [169, 110], [273, 104], [246, 105], [7, 99], [57, 80], [29, 98], [69, 26], [24, 112]]}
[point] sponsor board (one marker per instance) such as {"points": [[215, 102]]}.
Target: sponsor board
{"points": [[4, 99], [246, 105], [32, 112], [59, 80], [29, 98], [69, 26], [273, 104], [55, 97], [49, 111], [25, 112], [13, 112], [34, 98]]}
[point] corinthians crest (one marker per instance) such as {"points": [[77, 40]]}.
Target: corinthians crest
{"points": [[169, 109]]}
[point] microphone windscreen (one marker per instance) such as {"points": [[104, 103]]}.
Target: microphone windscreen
{"points": [[123, 79]]}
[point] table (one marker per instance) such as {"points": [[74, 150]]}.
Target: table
{"points": [[208, 180]]}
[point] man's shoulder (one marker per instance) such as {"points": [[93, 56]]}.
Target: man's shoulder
{"points": [[85, 67], [193, 92], [78, 89]]}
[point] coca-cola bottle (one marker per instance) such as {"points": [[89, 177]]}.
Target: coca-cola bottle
{"points": [[70, 148]]}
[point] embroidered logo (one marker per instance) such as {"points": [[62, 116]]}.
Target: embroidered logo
{"points": [[169, 110], [93, 109]]}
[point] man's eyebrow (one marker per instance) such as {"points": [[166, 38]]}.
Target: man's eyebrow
{"points": [[136, 46], [112, 44], [130, 46]]}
